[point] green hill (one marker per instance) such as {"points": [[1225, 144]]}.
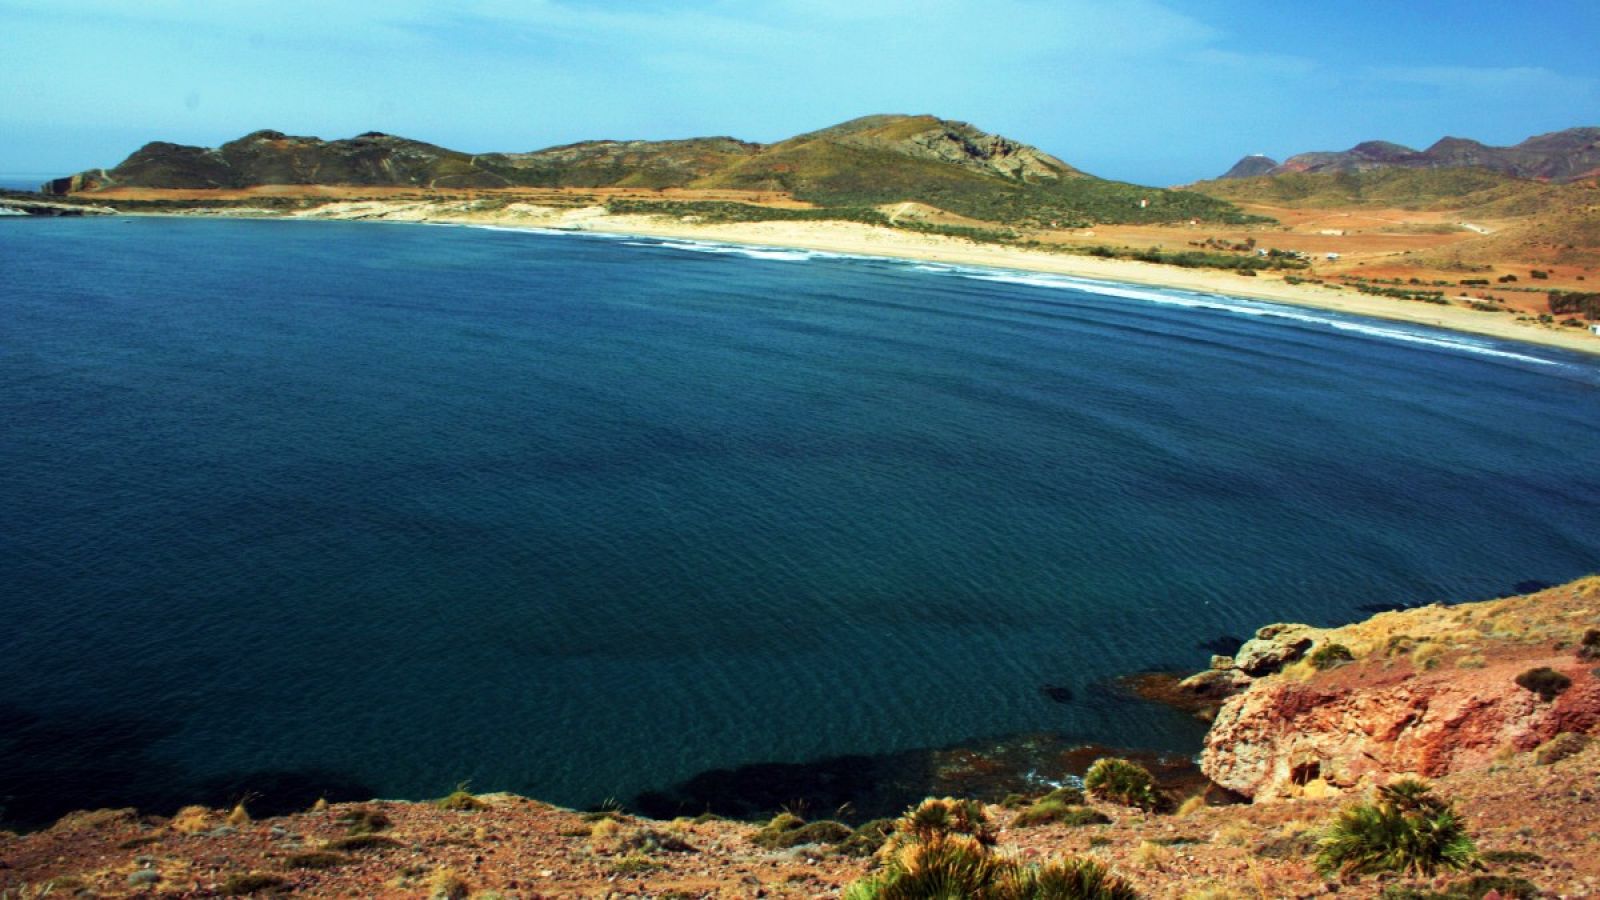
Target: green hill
{"points": [[862, 163]]}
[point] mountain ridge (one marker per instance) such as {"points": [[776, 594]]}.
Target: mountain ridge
{"points": [[1568, 155]]}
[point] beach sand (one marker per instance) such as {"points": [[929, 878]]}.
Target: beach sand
{"points": [[868, 240]]}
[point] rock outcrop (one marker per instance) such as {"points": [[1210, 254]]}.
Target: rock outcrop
{"points": [[1429, 692]]}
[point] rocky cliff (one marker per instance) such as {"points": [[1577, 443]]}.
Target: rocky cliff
{"points": [[1431, 692]]}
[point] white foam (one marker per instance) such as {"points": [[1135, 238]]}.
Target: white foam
{"points": [[1241, 306], [750, 251]]}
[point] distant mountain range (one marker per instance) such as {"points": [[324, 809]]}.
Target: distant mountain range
{"points": [[866, 162], [1560, 156]]}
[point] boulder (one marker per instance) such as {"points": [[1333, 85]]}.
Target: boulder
{"points": [[1274, 647]]}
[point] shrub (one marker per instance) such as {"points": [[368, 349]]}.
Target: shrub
{"points": [[254, 882], [1330, 655], [460, 800], [947, 817], [1121, 781], [955, 866], [1071, 879], [447, 885], [1544, 681], [1589, 645], [1408, 829]]}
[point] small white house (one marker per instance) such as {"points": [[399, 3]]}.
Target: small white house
{"points": [[1594, 329], [1332, 255]]}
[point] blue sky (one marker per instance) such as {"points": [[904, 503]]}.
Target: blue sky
{"points": [[1152, 91]]}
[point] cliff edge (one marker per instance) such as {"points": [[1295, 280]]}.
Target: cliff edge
{"points": [[1431, 692]]}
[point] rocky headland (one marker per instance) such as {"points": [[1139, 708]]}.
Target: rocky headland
{"points": [[1497, 703]]}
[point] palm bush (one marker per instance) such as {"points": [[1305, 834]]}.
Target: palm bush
{"points": [[944, 850], [1122, 782], [1408, 829]]}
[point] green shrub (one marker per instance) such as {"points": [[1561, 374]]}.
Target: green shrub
{"points": [[1408, 829], [1121, 781], [1544, 681], [947, 817], [1329, 655]]}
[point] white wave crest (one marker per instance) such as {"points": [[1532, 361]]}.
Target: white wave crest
{"points": [[1240, 306]]}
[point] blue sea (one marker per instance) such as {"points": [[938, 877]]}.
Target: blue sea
{"points": [[297, 508]]}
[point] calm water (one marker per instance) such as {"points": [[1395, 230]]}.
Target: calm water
{"points": [[378, 509]]}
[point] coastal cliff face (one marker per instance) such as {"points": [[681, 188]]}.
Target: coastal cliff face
{"points": [[1431, 692]]}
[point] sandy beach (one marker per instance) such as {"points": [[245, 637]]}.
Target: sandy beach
{"points": [[868, 240]]}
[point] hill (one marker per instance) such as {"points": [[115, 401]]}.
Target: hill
{"points": [[862, 163], [1568, 155], [1450, 188]]}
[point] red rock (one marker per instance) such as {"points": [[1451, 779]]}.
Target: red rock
{"points": [[1276, 736]]}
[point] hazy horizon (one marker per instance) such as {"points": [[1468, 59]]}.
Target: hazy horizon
{"points": [[1150, 92]]}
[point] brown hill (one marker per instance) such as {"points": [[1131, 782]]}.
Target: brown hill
{"points": [[1558, 156]]}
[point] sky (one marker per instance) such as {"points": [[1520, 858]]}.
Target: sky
{"points": [[1156, 92]]}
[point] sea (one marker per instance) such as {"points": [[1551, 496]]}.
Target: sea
{"points": [[300, 509]]}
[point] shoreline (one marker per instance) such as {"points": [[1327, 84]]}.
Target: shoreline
{"points": [[855, 239]]}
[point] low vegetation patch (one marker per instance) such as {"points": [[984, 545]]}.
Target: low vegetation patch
{"points": [[867, 839], [786, 830], [1507, 887], [361, 843], [316, 859], [1056, 812], [251, 883], [364, 821]]}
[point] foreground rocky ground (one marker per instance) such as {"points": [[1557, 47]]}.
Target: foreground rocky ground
{"points": [[1432, 691]]}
